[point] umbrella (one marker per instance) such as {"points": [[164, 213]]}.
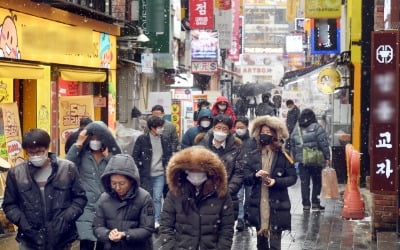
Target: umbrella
{"points": [[254, 89]]}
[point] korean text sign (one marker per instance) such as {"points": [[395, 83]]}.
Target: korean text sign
{"points": [[201, 14], [384, 115]]}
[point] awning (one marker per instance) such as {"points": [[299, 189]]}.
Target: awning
{"points": [[20, 71], [82, 75]]}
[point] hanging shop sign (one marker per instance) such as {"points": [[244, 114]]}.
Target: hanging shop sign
{"points": [[234, 51], [384, 113], [204, 51], [201, 14], [328, 80], [32, 38], [323, 8], [154, 19], [325, 36], [223, 22]]}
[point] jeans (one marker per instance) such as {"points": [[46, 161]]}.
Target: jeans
{"points": [[158, 186], [243, 196], [308, 173]]}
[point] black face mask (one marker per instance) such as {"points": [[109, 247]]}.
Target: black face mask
{"points": [[266, 139]]}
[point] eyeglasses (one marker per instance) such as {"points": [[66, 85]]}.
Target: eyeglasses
{"points": [[39, 152]]}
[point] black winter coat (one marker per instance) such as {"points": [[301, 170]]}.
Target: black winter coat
{"points": [[285, 175], [133, 214], [142, 154], [197, 220], [51, 226]]}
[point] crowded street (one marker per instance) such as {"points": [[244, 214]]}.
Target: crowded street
{"points": [[310, 231]]}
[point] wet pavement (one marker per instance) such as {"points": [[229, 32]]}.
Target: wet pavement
{"points": [[311, 230]]}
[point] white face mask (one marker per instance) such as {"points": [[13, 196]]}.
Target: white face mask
{"points": [[205, 124], [38, 160], [241, 131], [159, 131], [196, 178], [95, 145], [221, 107], [219, 135]]}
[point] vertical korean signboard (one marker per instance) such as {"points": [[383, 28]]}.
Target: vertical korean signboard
{"points": [[201, 14], [384, 112]]}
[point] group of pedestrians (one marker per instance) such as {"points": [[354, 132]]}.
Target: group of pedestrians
{"points": [[191, 194]]}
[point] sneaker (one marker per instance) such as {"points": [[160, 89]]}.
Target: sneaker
{"points": [[306, 208], [317, 207], [240, 225]]}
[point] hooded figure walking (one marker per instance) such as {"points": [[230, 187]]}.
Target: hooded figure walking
{"points": [[91, 153], [270, 171], [197, 212], [124, 216]]}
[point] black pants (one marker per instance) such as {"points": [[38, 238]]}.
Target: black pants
{"points": [[274, 241], [308, 172], [90, 245]]}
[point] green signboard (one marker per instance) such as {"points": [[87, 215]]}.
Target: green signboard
{"points": [[154, 19]]}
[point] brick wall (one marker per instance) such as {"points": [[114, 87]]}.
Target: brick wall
{"points": [[384, 212]]}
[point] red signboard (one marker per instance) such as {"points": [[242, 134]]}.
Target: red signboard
{"points": [[201, 14], [384, 116], [234, 51]]}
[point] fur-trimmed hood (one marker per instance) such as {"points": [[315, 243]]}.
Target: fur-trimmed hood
{"points": [[197, 158], [272, 122]]}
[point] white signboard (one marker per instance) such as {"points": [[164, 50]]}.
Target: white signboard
{"points": [[223, 24], [147, 63], [161, 98]]}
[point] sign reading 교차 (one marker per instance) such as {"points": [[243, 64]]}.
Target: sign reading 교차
{"points": [[384, 112]]}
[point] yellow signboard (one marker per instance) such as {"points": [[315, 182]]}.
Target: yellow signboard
{"points": [[71, 110], [328, 80], [323, 8], [12, 132], [32, 38]]}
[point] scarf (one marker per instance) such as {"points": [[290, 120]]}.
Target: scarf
{"points": [[267, 155]]}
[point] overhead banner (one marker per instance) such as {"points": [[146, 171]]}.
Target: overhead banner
{"points": [[71, 110], [323, 8], [325, 36], [204, 51], [201, 14], [384, 112]]}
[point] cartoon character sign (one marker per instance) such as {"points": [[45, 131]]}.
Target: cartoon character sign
{"points": [[9, 38], [106, 54]]}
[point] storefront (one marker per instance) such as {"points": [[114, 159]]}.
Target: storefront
{"points": [[48, 55]]}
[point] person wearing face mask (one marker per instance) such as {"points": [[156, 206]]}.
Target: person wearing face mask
{"points": [[293, 115], [203, 125], [242, 132], [221, 140], [223, 106], [91, 153], [198, 212], [33, 194], [204, 104], [269, 171], [169, 131], [151, 154]]}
